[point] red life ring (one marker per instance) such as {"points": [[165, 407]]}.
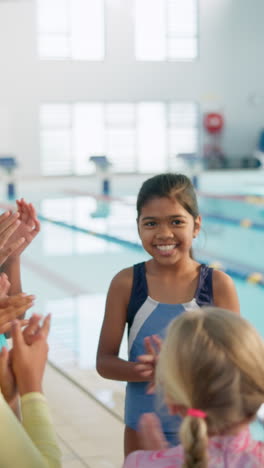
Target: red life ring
{"points": [[213, 122]]}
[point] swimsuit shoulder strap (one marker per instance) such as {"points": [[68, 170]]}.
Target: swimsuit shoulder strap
{"points": [[139, 292], [204, 292]]}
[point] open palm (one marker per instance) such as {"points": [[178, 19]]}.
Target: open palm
{"points": [[28, 229]]}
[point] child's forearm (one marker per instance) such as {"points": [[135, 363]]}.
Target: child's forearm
{"points": [[115, 368], [12, 269]]}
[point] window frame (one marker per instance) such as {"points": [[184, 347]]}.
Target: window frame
{"points": [[168, 36], [68, 38], [168, 127]]}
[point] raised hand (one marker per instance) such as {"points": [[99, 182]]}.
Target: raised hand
{"points": [[32, 330], [31, 333], [10, 239], [28, 361], [28, 229], [11, 307]]}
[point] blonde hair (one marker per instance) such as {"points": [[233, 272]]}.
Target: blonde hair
{"points": [[211, 360]]}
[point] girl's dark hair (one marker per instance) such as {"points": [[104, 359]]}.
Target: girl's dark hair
{"points": [[177, 186]]}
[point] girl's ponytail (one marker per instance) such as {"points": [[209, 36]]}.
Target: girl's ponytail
{"points": [[194, 439], [208, 376]]}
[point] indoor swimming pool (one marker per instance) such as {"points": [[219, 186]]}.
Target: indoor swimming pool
{"points": [[69, 271]]}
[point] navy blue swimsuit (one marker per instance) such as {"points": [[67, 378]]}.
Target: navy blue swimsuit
{"points": [[146, 317]]}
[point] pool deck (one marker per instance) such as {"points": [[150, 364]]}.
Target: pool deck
{"points": [[89, 435]]}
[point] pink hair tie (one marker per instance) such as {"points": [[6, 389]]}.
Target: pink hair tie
{"points": [[196, 413]]}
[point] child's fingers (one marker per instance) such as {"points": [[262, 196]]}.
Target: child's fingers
{"points": [[24, 322], [11, 313], [144, 366], [27, 215], [19, 208], [33, 323], [35, 219], [46, 326], [7, 220], [4, 216], [18, 299], [33, 211], [7, 326], [19, 310], [147, 374], [146, 358], [7, 232], [32, 329], [7, 251], [148, 345], [158, 341], [17, 337], [37, 226], [16, 309], [145, 371], [30, 339]]}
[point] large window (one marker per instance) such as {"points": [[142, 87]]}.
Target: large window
{"points": [[166, 29], [137, 137], [71, 29]]}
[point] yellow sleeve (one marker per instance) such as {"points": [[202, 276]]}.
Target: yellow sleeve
{"points": [[31, 446]]}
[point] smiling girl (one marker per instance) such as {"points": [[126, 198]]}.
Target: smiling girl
{"points": [[149, 295]]}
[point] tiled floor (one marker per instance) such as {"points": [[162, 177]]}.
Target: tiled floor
{"points": [[89, 435]]}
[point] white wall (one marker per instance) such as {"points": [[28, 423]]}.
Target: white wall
{"points": [[228, 73]]}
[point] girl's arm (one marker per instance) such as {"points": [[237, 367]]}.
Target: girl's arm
{"points": [[12, 269], [17, 447], [35, 444], [109, 365], [224, 292], [27, 230]]}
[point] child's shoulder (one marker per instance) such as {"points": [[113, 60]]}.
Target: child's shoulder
{"points": [[224, 292], [123, 278], [221, 279]]}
